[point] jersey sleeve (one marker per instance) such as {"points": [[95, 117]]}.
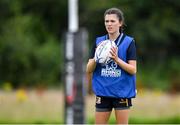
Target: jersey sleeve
{"points": [[131, 52], [92, 51]]}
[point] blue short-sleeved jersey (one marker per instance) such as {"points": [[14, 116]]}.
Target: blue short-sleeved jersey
{"points": [[111, 80]]}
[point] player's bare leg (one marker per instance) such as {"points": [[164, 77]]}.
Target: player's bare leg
{"points": [[102, 117], [122, 116]]}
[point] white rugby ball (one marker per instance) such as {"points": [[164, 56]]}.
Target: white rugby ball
{"points": [[102, 53]]}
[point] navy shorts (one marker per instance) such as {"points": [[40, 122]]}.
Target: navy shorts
{"points": [[104, 104]]}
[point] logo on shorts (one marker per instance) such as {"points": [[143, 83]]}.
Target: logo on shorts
{"points": [[98, 100], [125, 101]]}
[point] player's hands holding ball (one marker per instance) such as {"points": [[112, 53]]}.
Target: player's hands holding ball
{"points": [[102, 53], [114, 53]]}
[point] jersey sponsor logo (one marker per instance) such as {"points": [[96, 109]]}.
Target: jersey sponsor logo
{"points": [[111, 70]]}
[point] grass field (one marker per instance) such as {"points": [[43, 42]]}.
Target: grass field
{"points": [[48, 106]]}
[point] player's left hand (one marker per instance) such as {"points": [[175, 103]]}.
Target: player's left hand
{"points": [[114, 54]]}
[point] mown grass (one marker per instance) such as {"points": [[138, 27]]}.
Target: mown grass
{"points": [[171, 120], [48, 108]]}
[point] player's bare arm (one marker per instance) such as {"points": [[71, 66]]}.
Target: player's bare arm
{"points": [[89, 71], [130, 67], [90, 66]]}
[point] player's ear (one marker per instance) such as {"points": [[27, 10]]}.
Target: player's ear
{"points": [[120, 24]]}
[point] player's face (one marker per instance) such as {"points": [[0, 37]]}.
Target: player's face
{"points": [[112, 23]]}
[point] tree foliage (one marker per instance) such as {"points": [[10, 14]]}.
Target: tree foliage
{"points": [[31, 37]]}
